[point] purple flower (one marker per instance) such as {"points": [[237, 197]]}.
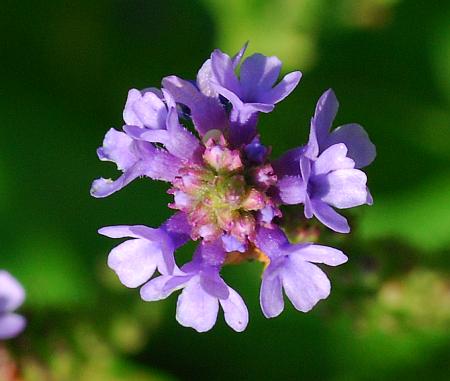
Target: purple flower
{"points": [[152, 119], [168, 131], [251, 93], [323, 176], [254, 91], [290, 268], [203, 291], [329, 181], [134, 158], [226, 192], [136, 260], [145, 109], [12, 296]]}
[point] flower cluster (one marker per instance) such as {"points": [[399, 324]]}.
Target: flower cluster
{"points": [[227, 193], [12, 296]]}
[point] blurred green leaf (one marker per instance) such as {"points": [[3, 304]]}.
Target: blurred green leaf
{"points": [[419, 216], [291, 24], [51, 271]]}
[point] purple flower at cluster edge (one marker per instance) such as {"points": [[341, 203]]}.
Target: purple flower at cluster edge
{"points": [[12, 296], [323, 175]]}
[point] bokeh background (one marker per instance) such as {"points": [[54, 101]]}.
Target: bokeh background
{"points": [[66, 68]]}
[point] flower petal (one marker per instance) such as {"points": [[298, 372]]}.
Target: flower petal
{"points": [[152, 162], [329, 217], [196, 308], [122, 231], [145, 109], [267, 214], [159, 164], [237, 58], [205, 77], [129, 116], [271, 241], [12, 294], [319, 254], [308, 209], [326, 110], [117, 147], [344, 188], [359, 146], [369, 200], [304, 283], [287, 164], [176, 139], [230, 95], [282, 89], [258, 107], [305, 168], [156, 288], [271, 295], [230, 244], [167, 240], [105, 187], [223, 70], [214, 285], [177, 281], [136, 260], [235, 311], [178, 228], [257, 76], [333, 158], [11, 325], [212, 253], [292, 190], [181, 142], [311, 150]]}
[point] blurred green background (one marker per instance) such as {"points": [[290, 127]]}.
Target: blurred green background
{"points": [[66, 68]]}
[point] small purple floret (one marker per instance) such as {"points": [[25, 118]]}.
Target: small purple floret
{"points": [[255, 90], [323, 176], [291, 268], [203, 291], [12, 296]]}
